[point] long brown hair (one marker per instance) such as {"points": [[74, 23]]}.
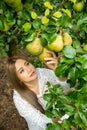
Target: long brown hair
{"points": [[22, 89]]}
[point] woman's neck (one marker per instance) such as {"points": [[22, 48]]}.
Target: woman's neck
{"points": [[33, 86]]}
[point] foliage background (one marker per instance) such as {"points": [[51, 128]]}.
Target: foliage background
{"points": [[44, 24]]}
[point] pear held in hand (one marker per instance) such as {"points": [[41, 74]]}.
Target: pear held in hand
{"points": [[45, 54]]}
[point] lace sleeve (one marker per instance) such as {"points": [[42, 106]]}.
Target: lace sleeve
{"points": [[53, 79], [30, 114]]}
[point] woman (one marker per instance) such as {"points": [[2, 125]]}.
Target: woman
{"points": [[29, 86]]}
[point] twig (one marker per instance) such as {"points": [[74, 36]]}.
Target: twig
{"points": [[71, 89]]}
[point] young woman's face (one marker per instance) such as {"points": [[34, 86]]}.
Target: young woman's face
{"points": [[25, 71]]}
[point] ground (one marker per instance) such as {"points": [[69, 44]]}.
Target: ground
{"points": [[9, 116]]}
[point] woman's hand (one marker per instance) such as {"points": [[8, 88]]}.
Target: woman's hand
{"points": [[51, 62]]}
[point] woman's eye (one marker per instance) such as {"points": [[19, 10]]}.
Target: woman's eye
{"points": [[21, 71], [27, 63]]}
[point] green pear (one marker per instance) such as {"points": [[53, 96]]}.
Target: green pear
{"points": [[35, 47], [15, 4], [57, 45], [6, 26], [85, 47], [78, 6], [67, 39], [45, 54]]}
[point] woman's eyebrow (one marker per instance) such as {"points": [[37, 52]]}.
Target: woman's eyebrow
{"points": [[25, 62], [21, 67]]}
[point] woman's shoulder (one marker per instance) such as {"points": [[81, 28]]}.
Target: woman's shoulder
{"points": [[43, 70]]}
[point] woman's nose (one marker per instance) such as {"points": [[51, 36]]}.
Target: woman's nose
{"points": [[28, 70]]}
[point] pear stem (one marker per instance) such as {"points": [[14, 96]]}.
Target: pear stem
{"points": [[38, 33]]}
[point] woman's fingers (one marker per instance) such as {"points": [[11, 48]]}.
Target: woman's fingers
{"points": [[50, 59], [52, 64], [51, 52]]}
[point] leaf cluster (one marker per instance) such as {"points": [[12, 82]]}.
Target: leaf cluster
{"points": [[12, 21], [73, 104]]}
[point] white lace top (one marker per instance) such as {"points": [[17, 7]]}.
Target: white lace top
{"points": [[34, 118]]}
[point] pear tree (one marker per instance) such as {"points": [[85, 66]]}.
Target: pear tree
{"points": [[60, 26]]}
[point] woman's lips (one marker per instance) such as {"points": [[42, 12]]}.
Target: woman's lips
{"points": [[33, 73]]}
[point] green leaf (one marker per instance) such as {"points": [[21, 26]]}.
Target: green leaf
{"points": [[50, 29], [84, 28], [49, 105], [48, 84], [66, 60], [78, 104], [54, 126], [79, 59], [2, 38], [37, 63], [48, 114], [84, 108], [76, 43], [66, 124], [83, 74], [77, 118], [30, 38], [52, 37], [57, 126], [82, 21], [65, 98], [9, 15], [53, 91], [1, 44], [72, 74], [80, 50], [49, 37], [58, 90], [24, 15], [64, 21], [1, 25], [82, 97], [82, 34], [20, 22], [84, 66], [84, 88], [47, 97], [59, 103], [37, 24], [60, 69], [43, 42], [83, 118], [68, 108], [49, 126], [7, 48], [85, 56], [55, 112], [45, 36], [69, 52]]}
